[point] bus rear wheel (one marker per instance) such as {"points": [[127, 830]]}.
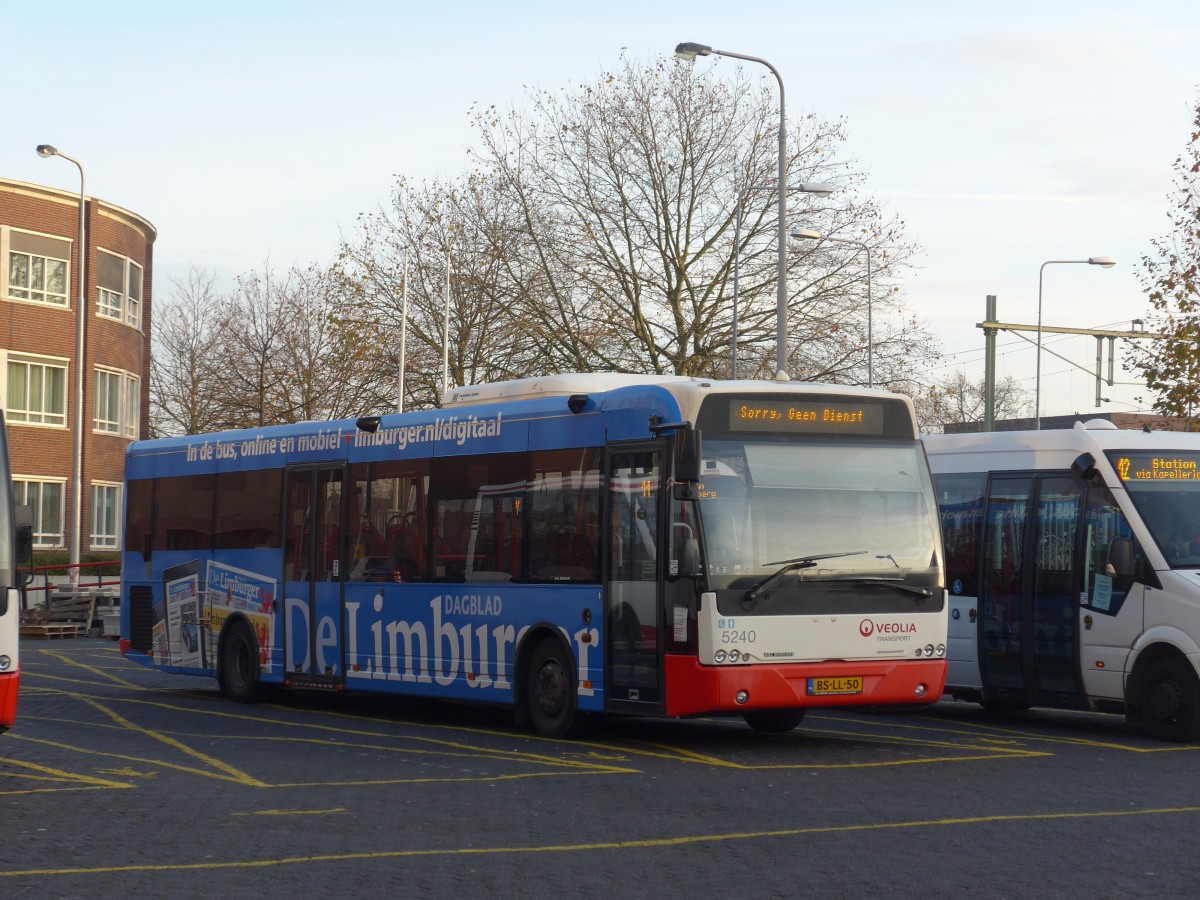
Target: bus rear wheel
{"points": [[773, 721], [550, 692], [238, 673], [1171, 701]]}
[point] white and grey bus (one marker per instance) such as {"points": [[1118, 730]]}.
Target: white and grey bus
{"points": [[1073, 568]]}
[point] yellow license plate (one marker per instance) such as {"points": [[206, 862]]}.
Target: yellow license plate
{"points": [[823, 687]]}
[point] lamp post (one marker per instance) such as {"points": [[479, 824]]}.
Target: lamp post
{"points": [[46, 151], [446, 328], [1107, 262], [689, 51], [821, 190], [862, 245], [403, 337]]}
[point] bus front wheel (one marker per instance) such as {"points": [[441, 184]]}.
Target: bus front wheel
{"points": [[550, 691], [238, 665], [1171, 701], [773, 721]]}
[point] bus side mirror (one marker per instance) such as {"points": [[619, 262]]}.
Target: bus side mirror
{"points": [[23, 519], [1120, 557], [688, 455]]}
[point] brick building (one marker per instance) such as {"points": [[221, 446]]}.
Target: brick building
{"points": [[39, 284]]}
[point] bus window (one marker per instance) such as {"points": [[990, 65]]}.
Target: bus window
{"points": [[183, 510], [960, 501], [247, 510], [1105, 589], [564, 516], [462, 540], [388, 542]]}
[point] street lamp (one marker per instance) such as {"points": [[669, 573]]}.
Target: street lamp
{"points": [[446, 327], [45, 151], [811, 235], [1107, 262], [403, 337], [821, 190], [689, 51]]}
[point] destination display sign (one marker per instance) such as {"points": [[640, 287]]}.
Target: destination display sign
{"points": [[806, 417], [1157, 466]]}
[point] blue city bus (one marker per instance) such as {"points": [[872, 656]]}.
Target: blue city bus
{"points": [[568, 545]]}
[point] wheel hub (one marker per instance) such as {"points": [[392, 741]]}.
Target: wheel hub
{"points": [[551, 689]]}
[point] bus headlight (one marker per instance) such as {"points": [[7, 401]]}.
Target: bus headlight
{"points": [[5, 662], [921, 689], [929, 649], [734, 656], [941, 649], [719, 656]]}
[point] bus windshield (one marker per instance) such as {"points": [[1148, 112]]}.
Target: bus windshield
{"points": [[1165, 488], [834, 527]]}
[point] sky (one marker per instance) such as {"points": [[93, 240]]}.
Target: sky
{"points": [[1003, 135]]}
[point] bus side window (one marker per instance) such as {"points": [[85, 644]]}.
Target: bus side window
{"points": [[960, 503], [1106, 588]]}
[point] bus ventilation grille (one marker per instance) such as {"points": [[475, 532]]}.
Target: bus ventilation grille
{"points": [[141, 618]]}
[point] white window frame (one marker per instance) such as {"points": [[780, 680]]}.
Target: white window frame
{"points": [[34, 295], [122, 306], [102, 539], [108, 304], [133, 307], [42, 539], [107, 419], [131, 408], [123, 420], [22, 415]]}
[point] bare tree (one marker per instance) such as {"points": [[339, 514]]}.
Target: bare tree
{"points": [[185, 370], [958, 400], [597, 232], [626, 191]]}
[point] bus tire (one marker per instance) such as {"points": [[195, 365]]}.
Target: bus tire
{"points": [[238, 672], [550, 695], [1171, 701], [773, 721]]}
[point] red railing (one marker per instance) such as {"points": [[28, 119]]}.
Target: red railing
{"points": [[82, 581]]}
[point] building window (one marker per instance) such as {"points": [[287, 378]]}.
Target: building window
{"points": [[110, 304], [118, 397], [46, 499], [39, 279], [108, 401], [39, 268], [36, 393], [106, 505], [119, 288], [132, 408], [133, 307]]}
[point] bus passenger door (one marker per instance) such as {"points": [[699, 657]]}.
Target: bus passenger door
{"points": [[1029, 596], [312, 617], [1001, 591], [1055, 592], [633, 580]]}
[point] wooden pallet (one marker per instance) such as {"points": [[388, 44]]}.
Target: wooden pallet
{"points": [[52, 631]]}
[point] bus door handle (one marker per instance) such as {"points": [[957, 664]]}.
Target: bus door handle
{"points": [[1087, 622], [972, 614]]}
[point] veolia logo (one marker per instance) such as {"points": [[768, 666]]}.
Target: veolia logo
{"points": [[867, 628]]}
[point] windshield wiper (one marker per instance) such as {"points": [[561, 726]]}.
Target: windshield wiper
{"points": [[752, 596], [894, 583]]}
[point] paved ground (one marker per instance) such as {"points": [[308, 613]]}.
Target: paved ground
{"points": [[120, 781]]}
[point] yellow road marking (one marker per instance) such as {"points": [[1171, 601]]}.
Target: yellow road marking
{"points": [[45, 773], [294, 812], [650, 843]]}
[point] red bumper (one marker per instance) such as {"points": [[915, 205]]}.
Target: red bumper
{"points": [[693, 689]]}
